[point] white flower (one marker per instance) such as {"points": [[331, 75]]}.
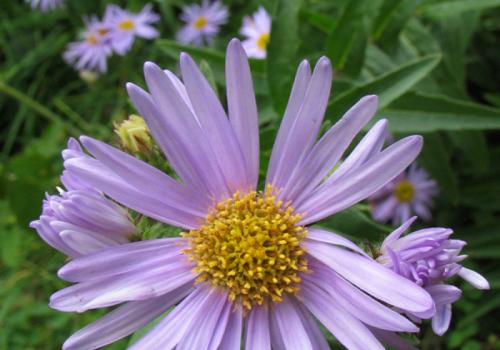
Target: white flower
{"points": [[257, 29]]}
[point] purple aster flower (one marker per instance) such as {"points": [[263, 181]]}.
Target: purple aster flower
{"points": [[409, 193], [248, 259], [46, 5], [91, 53], [81, 220], [127, 25], [257, 29], [202, 22], [430, 258]]}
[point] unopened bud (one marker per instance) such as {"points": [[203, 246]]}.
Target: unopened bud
{"points": [[134, 135]]}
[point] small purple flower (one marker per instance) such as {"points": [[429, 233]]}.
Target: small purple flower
{"points": [[411, 193], [202, 22], [91, 53], [430, 258], [249, 261], [127, 25], [81, 220], [46, 5], [257, 29]]}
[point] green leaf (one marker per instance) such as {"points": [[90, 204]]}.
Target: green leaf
{"points": [[420, 112], [355, 223], [436, 160], [474, 147], [282, 51], [485, 307], [343, 36], [388, 86], [450, 8]]}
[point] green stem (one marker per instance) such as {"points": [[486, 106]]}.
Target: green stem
{"points": [[42, 110]]}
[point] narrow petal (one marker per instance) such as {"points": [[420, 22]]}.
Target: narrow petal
{"points": [[123, 321], [324, 236], [169, 142], [316, 336], [233, 329], [186, 127], [292, 331], [360, 305], [140, 285], [444, 293], [242, 108], [147, 178], [369, 146], [374, 174], [442, 318], [213, 120], [257, 333], [120, 259], [396, 234], [86, 242], [474, 278], [349, 331], [204, 323], [373, 278], [306, 124], [109, 183], [299, 89], [328, 150]]}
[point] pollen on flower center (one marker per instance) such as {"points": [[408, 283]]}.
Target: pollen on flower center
{"points": [[250, 244], [91, 39], [127, 24], [404, 191], [200, 22], [263, 40]]}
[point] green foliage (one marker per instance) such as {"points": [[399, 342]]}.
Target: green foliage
{"points": [[434, 65]]}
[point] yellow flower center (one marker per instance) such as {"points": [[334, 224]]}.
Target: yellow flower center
{"points": [[404, 191], [127, 24], [91, 39], [250, 245], [262, 41], [200, 22]]}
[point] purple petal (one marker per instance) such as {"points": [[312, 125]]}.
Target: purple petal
{"points": [[140, 285], [121, 259], [474, 278], [328, 150], [115, 187], [444, 293], [392, 339], [373, 278], [233, 329], [394, 236], [176, 325], [86, 242], [289, 324], [299, 89], [349, 331], [147, 179], [242, 107], [213, 120], [357, 303], [442, 318], [257, 332], [324, 236], [123, 321], [315, 334], [306, 124], [373, 175], [184, 124], [369, 146]]}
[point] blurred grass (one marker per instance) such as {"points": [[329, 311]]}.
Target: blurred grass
{"points": [[435, 65]]}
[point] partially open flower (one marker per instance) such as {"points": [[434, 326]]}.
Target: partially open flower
{"points": [[430, 258]]}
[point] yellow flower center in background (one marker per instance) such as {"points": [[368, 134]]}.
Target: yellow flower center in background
{"points": [[127, 24], [404, 191], [250, 245], [200, 22], [91, 39], [262, 41]]}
